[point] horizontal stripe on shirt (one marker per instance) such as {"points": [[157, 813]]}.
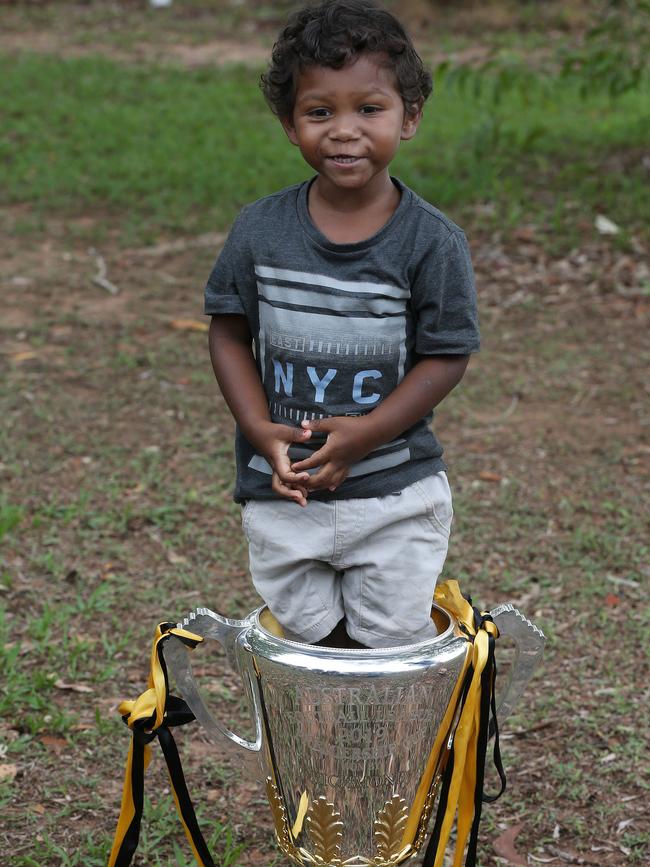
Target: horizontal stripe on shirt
{"points": [[309, 279]]}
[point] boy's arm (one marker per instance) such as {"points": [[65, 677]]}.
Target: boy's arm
{"points": [[349, 439], [234, 366]]}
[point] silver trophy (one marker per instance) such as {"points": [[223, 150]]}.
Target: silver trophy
{"points": [[350, 744]]}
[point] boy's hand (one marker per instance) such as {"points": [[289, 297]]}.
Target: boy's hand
{"points": [[274, 441], [351, 438], [348, 441]]}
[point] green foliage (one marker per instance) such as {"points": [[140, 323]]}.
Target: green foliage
{"points": [[614, 55], [611, 58], [10, 517]]}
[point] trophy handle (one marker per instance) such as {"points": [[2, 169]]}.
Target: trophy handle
{"points": [[209, 624], [529, 645]]}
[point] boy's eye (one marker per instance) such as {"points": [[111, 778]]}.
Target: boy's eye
{"points": [[370, 109], [318, 112]]}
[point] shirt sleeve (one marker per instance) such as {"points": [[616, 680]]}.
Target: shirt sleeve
{"points": [[444, 301], [223, 291]]}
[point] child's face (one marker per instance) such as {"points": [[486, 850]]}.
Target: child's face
{"points": [[348, 122]]}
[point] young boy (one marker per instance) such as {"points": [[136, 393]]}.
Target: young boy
{"points": [[343, 311]]}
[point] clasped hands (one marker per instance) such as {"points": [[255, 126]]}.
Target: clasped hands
{"points": [[349, 439]]}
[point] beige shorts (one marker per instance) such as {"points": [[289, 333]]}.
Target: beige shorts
{"points": [[373, 561]]}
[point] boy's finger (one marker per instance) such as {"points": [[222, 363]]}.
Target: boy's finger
{"points": [[282, 467], [321, 480], [337, 480], [315, 460], [324, 425], [289, 477], [296, 434], [298, 495], [328, 477]]}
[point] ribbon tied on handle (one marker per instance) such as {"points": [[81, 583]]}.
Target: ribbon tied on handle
{"points": [[461, 790], [150, 716]]}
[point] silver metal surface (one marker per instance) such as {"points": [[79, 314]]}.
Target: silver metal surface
{"points": [[529, 646], [344, 739]]}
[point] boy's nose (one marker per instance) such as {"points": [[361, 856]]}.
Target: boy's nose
{"points": [[345, 129]]}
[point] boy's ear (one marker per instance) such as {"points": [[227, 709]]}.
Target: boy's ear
{"points": [[411, 122], [289, 128]]}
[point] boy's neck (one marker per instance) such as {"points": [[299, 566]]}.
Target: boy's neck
{"points": [[349, 216]]}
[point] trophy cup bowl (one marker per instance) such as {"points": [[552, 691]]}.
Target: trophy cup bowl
{"points": [[350, 744]]}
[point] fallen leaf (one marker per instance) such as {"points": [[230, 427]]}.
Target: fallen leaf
{"points": [[57, 745], [569, 855], [488, 476], [25, 355], [525, 233], [612, 600], [605, 226], [188, 325], [137, 522], [504, 846], [38, 808], [83, 638], [176, 559], [8, 772], [626, 582], [623, 825], [73, 687]]}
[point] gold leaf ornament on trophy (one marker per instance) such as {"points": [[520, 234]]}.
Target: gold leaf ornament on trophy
{"points": [[279, 816], [326, 831], [389, 828]]}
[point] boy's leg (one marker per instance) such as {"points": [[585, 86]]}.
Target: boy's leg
{"points": [[393, 563], [288, 551]]}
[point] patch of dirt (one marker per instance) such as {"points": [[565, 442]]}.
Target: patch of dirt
{"points": [[200, 35], [215, 52], [219, 52]]}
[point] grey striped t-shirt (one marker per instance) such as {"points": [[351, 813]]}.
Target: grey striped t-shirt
{"points": [[337, 326]]}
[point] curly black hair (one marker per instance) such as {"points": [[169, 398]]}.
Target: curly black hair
{"points": [[333, 34]]}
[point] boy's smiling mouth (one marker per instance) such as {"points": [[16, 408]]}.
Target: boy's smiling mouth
{"points": [[344, 159]]}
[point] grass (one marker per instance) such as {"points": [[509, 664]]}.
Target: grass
{"points": [[182, 150], [10, 517], [93, 852]]}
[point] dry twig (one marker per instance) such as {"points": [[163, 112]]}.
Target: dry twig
{"points": [[100, 278]]}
